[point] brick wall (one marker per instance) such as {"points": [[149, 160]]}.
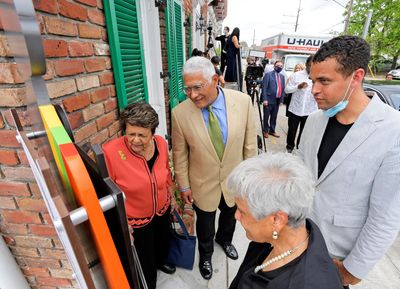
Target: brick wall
{"points": [[79, 78]]}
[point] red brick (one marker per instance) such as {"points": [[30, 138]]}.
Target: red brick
{"points": [[92, 3], [100, 137], [68, 67], [100, 94], [15, 229], [29, 204], [101, 49], [46, 218], [42, 263], [55, 48], [50, 73], [22, 157], [29, 271], [7, 203], [9, 73], [43, 230], [89, 31], [8, 157], [93, 111], [100, 4], [52, 253], [76, 102], [104, 35], [112, 90], [114, 129], [23, 118], [95, 64], [87, 82], [26, 252], [4, 47], [85, 132], [13, 97], [8, 138], [79, 48], [60, 26], [2, 124], [61, 88], [18, 173], [51, 281], [75, 119], [61, 273], [33, 242], [105, 121], [20, 217], [72, 10], [49, 6], [9, 240], [110, 104], [106, 78], [96, 16], [58, 245], [14, 189], [34, 188]]}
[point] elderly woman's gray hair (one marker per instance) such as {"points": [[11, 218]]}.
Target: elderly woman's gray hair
{"points": [[200, 64], [274, 182], [139, 114]]}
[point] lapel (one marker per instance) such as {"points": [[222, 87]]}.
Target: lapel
{"points": [[232, 117], [196, 118], [319, 130], [358, 133]]}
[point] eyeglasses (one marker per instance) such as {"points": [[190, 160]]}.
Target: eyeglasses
{"points": [[195, 88]]}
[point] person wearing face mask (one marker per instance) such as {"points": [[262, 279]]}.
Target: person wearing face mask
{"points": [[273, 87], [352, 146]]}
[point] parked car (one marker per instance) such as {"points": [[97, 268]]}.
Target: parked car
{"points": [[395, 73], [388, 93]]}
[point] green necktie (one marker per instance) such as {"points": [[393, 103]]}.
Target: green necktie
{"points": [[214, 130]]}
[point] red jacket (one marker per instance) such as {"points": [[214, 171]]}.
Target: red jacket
{"points": [[146, 192]]}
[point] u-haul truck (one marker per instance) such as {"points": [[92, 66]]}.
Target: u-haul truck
{"points": [[292, 48]]}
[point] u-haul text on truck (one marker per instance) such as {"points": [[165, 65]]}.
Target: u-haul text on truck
{"points": [[292, 48]]}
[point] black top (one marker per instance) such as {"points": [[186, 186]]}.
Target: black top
{"points": [[150, 162], [333, 136], [313, 269], [223, 40]]}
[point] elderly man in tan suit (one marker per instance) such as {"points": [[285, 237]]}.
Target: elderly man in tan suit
{"points": [[212, 132]]}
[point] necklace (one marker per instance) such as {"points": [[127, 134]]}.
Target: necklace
{"points": [[279, 257]]}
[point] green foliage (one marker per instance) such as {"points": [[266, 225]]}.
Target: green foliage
{"points": [[384, 30]]}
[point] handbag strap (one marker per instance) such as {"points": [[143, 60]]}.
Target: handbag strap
{"points": [[181, 223]]}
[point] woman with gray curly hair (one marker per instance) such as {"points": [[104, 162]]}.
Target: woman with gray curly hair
{"points": [[273, 194], [138, 163]]}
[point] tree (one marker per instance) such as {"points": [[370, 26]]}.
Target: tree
{"points": [[384, 30]]}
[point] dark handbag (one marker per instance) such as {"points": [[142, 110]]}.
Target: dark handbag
{"points": [[181, 246]]}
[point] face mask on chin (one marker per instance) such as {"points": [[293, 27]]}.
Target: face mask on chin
{"points": [[341, 105]]}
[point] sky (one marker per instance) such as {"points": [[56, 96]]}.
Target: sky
{"points": [[270, 17]]}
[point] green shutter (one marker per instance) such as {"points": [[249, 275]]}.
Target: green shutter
{"points": [[126, 47], [175, 51]]}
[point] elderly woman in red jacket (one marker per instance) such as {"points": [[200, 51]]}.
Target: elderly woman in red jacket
{"points": [[138, 164]]}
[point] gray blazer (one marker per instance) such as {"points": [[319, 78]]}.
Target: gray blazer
{"points": [[357, 201]]}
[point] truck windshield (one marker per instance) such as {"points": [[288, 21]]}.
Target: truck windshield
{"points": [[292, 60]]}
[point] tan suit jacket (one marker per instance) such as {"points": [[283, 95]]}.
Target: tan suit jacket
{"points": [[196, 163]]}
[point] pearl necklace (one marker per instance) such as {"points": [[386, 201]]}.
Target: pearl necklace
{"points": [[279, 257]]}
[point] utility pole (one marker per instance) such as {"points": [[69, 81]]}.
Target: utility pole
{"points": [[366, 24], [254, 36], [347, 21], [297, 17]]}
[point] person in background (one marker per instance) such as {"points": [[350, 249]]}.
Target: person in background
{"points": [[215, 62], [288, 96], [269, 66], [250, 62], [273, 87], [302, 104], [224, 48], [196, 52], [233, 71], [205, 149], [138, 163], [352, 147], [273, 194]]}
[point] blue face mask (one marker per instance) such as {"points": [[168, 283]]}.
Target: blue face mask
{"points": [[341, 105]]}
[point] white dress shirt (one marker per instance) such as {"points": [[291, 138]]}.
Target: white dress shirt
{"points": [[302, 102]]}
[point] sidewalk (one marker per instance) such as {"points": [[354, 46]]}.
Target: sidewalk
{"points": [[385, 275]]}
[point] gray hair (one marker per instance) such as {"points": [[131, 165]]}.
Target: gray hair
{"points": [[139, 114], [274, 182], [199, 64]]}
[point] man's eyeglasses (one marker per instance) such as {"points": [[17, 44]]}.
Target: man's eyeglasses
{"points": [[195, 88]]}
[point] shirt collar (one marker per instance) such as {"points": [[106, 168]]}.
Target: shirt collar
{"points": [[219, 102]]}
